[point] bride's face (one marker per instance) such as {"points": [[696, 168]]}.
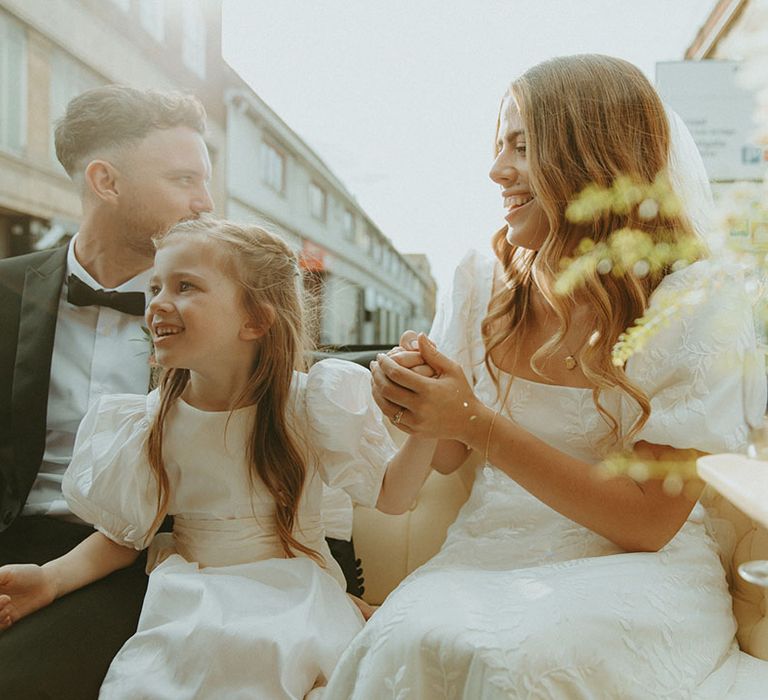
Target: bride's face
{"points": [[527, 225]]}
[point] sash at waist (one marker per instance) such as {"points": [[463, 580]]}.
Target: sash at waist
{"points": [[212, 542]]}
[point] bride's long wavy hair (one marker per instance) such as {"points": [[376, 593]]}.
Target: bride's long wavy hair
{"points": [[588, 119], [267, 272]]}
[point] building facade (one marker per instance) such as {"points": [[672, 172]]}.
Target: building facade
{"points": [[366, 291], [52, 51], [363, 289]]}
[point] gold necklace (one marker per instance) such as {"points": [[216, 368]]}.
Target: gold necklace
{"points": [[570, 359]]}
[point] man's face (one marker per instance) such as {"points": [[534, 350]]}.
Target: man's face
{"points": [[161, 181]]}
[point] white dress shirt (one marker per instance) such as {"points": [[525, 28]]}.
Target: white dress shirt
{"points": [[96, 351]]}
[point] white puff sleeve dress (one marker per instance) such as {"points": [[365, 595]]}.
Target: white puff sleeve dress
{"points": [[225, 614]]}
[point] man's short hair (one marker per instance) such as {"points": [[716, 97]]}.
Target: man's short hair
{"points": [[115, 115]]}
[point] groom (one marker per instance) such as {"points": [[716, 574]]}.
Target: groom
{"points": [[140, 164]]}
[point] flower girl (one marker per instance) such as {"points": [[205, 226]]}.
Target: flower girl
{"points": [[244, 598]]}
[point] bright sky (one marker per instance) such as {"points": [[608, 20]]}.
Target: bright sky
{"points": [[400, 97]]}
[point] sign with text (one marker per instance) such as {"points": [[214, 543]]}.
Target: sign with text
{"points": [[719, 112], [312, 257]]}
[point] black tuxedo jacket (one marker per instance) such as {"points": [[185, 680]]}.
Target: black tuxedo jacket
{"points": [[29, 300]]}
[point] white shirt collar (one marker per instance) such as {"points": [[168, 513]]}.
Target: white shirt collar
{"points": [[138, 283]]}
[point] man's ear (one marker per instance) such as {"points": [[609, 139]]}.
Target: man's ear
{"points": [[255, 328], [101, 180]]}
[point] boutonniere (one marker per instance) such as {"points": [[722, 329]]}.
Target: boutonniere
{"points": [[148, 339], [155, 370]]}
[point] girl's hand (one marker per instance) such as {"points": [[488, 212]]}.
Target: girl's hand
{"points": [[24, 588], [441, 407], [407, 355]]}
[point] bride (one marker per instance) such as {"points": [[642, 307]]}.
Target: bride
{"points": [[554, 582]]}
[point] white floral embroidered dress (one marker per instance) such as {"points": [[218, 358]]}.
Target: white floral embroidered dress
{"points": [[521, 602], [225, 615]]}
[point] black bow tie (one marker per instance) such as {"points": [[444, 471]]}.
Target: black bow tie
{"points": [[80, 294]]}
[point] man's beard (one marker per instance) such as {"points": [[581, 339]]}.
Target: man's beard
{"points": [[141, 228]]}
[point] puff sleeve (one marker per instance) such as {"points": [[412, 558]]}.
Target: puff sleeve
{"points": [[346, 429], [456, 327], [702, 372], [108, 482]]}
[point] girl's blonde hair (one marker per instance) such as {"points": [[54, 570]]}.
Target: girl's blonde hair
{"points": [[588, 119], [267, 272]]}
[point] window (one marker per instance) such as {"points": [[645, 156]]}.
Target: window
{"points": [[376, 250], [348, 225], [317, 201], [68, 79], [13, 84], [152, 16], [272, 167], [193, 38]]}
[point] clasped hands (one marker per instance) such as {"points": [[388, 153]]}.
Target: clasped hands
{"points": [[422, 391]]}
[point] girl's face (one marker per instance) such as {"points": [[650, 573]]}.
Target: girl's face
{"points": [[195, 314], [527, 225]]}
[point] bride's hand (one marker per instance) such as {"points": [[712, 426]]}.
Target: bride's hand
{"points": [[407, 356], [434, 407]]}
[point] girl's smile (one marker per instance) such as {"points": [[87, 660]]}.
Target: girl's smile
{"points": [[162, 332], [196, 314]]}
